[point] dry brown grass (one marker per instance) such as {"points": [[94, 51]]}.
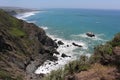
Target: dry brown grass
{"points": [[98, 72]]}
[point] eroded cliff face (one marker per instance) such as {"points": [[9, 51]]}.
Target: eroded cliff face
{"points": [[23, 47]]}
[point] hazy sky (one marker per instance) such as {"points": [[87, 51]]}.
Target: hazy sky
{"points": [[96, 4]]}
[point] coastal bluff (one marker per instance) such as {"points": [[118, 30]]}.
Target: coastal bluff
{"points": [[23, 48]]}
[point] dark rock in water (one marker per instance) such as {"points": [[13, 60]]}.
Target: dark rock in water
{"points": [[64, 55], [55, 63], [76, 44], [90, 34], [56, 52], [55, 40], [67, 45], [49, 63], [60, 43], [69, 56]]}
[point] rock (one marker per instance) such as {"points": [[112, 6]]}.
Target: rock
{"points": [[90, 34], [67, 45], [64, 55], [51, 50], [76, 44], [23, 52], [60, 43], [49, 63], [3, 45], [55, 63], [53, 58], [55, 40]]}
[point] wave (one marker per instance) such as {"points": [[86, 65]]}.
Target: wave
{"points": [[48, 66], [98, 37], [72, 51], [23, 16], [44, 27]]}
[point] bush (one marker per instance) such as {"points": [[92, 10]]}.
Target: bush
{"points": [[116, 40], [75, 66], [104, 49], [17, 32]]}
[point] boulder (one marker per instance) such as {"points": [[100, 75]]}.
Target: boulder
{"points": [[60, 43], [67, 45], [76, 44], [55, 39], [53, 58], [64, 55], [90, 34]]}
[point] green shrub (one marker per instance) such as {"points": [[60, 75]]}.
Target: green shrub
{"points": [[55, 75], [116, 40], [104, 49], [17, 32], [75, 66]]}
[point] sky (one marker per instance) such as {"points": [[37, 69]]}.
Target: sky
{"points": [[90, 4]]}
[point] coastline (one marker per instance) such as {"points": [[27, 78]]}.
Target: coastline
{"points": [[25, 15], [43, 53], [49, 66]]}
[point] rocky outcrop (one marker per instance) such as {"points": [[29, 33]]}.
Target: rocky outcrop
{"points": [[90, 34], [64, 55], [23, 47], [76, 44], [60, 43]]}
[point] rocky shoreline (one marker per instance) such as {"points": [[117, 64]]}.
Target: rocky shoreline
{"points": [[23, 47]]}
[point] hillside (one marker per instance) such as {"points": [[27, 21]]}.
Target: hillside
{"points": [[104, 64], [23, 47]]}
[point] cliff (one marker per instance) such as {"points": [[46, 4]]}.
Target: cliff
{"points": [[23, 47]]}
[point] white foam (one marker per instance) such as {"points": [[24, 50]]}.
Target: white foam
{"points": [[23, 16], [48, 66], [97, 36], [44, 27]]}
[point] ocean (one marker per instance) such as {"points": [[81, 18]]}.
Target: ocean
{"points": [[71, 25]]}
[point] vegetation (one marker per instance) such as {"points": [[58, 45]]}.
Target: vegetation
{"points": [[104, 49], [116, 40], [75, 66], [12, 24], [103, 54], [17, 32]]}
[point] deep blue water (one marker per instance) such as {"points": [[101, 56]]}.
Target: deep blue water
{"points": [[78, 21]]}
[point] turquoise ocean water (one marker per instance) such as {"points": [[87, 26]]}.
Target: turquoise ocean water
{"points": [[70, 25]]}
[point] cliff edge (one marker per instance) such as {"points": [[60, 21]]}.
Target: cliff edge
{"points": [[23, 47]]}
